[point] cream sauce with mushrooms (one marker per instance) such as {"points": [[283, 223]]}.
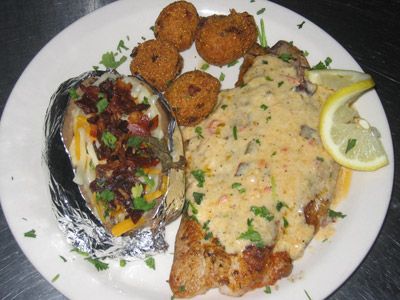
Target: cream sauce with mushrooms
{"points": [[253, 155]]}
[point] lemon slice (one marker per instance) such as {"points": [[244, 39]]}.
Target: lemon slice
{"points": [[335, 79], [348, 138]]}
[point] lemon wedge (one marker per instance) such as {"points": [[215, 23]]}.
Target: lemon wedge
{"points": [[349, 139]]}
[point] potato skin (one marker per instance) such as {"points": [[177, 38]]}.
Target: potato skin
{"points": [[159, 63], [222, 39], [193, 96], [177, 24]]}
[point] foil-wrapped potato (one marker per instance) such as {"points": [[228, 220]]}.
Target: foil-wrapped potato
{"points": [[125, 149]]}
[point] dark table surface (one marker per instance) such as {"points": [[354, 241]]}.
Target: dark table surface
{"points": [[369, 30]]}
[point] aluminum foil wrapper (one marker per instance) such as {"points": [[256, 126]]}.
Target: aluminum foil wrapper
{"points": [[83, 230]]}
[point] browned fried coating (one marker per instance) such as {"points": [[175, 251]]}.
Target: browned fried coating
{"points": [[222, 39], [177, 24], [192, 96], [200, 265], [157, 62]]}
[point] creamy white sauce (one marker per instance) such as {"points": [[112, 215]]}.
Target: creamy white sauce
{"points": [[272, 161]]}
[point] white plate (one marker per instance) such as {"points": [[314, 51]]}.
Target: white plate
{"points": [[24, 180]]}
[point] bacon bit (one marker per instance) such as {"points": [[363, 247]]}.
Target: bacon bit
{"points": [[311, 142], [138, 130], [284, 149], [153, 124], [122, 88], [223, 199]]}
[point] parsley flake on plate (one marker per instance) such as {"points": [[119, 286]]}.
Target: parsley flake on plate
{"points": [[30, 233], [98, 264], [151, 263]]}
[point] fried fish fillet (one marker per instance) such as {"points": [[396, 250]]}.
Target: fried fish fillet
{"points": [[259, 182]]}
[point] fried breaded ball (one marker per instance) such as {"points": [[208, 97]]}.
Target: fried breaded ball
{"points": [[192, 96], [177, 24], [222, 39], [159, 63]]}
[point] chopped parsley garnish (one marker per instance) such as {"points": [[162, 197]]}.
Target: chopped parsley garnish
{"points": [[252, 1], [285, 222], [258, 141], [141, 204], [299, 26], [109, 139], [151, 263], [238, 186], [265, 62], [122, 263], [55, 278], [199, 131], [108, 60], [321, 159], [251, 234], [95, 68], [261, 11], [264, 107], [286, 57], [280, 83], [328, 61], [98, 264], [268, 78], [273, 153], [205, 225], [199, 176], [323, 65], [268, 119], [261, 34], [208, 235], [223, 106], [198, 197], [63, 258], [308, 296], [263, 212], [30, 233], [221, 76], [105, 195], [80, 252], [204, 66], [152, 28], [305, 53], [101, 105], [73, 94], [231, 64], [267, 289], [121, 45], [143, 38], [193, 208], [280, 205], [145, 100], [335, 214], [351, 143], [134, 142], [234, 132]]}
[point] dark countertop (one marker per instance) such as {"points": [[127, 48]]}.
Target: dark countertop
{"points": [[369, 30]]}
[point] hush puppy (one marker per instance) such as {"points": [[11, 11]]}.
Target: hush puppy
{"points": [[193, 96], [177, 24], [159, 63], [222, 39]]}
